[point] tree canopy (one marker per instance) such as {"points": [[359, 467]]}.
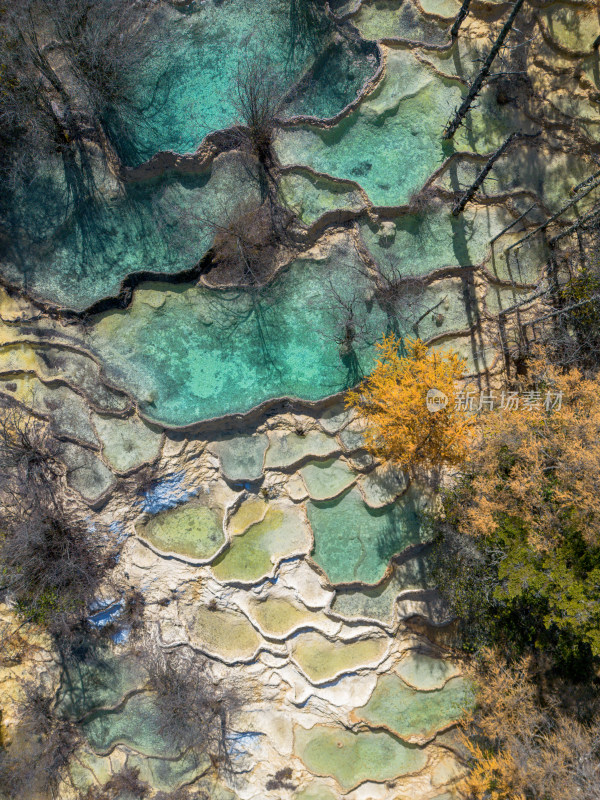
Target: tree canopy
{"points": [[530, 493], [393, 400]]}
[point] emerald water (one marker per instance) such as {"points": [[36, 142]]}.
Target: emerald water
{"points": [[410, 107], [404, 109], [74, 234], [310, 196], [379, 602], [424, 672], [137, 726], [273, 544], [325, 479], [352, 758], [203, 353], [101, 683], [354, 543], [188, 353], [409, 713], [425, 241], [188, 89], [74, 250]]}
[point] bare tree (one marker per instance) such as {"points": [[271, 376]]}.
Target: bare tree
{"points": [[460, 204], [247, 243], [258, 99], [52, 562], [477, 84], [567, 325], [195, 714], [186, 793], [460, 17], [29, 456], [401, 297], [67, 65], [309, 24], [587, 186], [125, 783], [36, 761]]}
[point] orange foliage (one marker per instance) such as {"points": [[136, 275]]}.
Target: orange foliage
{"points": [[392, 399], [521, 747], [540, 463]]}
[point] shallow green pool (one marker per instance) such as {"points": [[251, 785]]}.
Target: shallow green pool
{"points": [[409, 713], [354, 542], [352, 758], [190, 353], [194, 530], [189, 88]]}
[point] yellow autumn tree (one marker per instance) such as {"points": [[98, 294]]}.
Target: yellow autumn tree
{"points": [[521, 742], [393, 401], [530, 494], [540, 460]]}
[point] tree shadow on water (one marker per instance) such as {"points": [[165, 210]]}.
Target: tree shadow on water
{"points": [[403, 527], [87, 675]]}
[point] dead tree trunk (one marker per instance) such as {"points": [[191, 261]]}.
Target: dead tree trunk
{"points": [[593, 217], [512, 224], [459, 206], [464, 10], [566, 207], [466, 104], [585, 182]]}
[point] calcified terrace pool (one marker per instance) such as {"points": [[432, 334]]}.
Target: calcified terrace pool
{"points": [[189, 352], [199, 404]]}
